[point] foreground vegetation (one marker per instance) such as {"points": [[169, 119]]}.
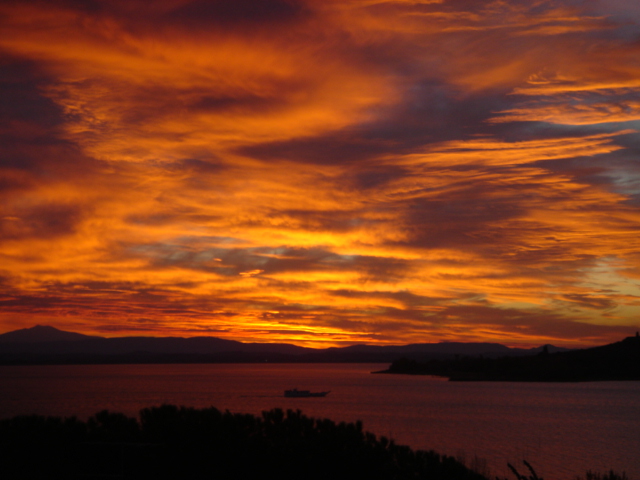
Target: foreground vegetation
{"points": [[186, 443], [170, 442]]}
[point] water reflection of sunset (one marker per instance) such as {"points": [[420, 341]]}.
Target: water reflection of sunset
{"points": [[322, 173]]}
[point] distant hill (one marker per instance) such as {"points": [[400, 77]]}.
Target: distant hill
{"points": [[49, 340], [443, 350], [45, 344], [42, 334], [616, 361]]}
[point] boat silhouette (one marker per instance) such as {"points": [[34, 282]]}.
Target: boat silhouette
{"points": [[303, 393]]}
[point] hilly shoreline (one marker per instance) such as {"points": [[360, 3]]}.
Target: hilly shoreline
{"points": [[616, 361], [47, 345]]}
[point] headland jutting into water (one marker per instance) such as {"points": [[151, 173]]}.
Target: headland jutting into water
{"points": [[616, 361]]}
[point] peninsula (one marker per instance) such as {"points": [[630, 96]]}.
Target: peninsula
{"points": [[616, 361]]}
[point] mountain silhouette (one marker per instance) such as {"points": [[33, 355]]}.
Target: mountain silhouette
{"points": [[45, 344], [42, 334], [616, 361]]}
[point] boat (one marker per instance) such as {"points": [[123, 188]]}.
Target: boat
{"points": [[295, 393]]}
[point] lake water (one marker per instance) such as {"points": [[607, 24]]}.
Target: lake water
{"points": [[562, 429]]}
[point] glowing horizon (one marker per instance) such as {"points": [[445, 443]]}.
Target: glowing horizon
{"points": [[322, 173]]}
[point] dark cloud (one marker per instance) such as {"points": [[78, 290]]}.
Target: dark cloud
{"points": [[30, 303], [43, 221], [36, 154], [271, 261], [53, 220], [30, 120], [590, 301], [163, 218], [89, 6], [152, 102], [327, 149], [429, 115], [409, 299], [21, 99], [463, 220], [253, 103], [239, 13], [531, 323], [200, 166], [323, 220], [374, 176]]}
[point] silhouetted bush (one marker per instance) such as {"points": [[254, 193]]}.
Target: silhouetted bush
{"points": [[170, 442], [187, 443], [610, 475], [532, 473]]}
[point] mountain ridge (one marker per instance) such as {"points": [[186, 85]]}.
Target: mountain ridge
{"points": [[45, 344], [42, 334]]}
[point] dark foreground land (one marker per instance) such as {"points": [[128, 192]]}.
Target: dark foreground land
{"points": [[171, 442], [616, 361]]}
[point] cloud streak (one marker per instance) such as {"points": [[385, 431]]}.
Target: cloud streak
{"points": [[323, 173]]}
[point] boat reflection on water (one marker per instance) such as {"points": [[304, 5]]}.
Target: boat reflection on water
{"points": [[295, 393]]}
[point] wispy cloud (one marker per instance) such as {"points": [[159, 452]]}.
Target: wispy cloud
{"points": [[321, 172]]}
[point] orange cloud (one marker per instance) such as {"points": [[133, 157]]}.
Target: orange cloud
{"points": [[323, 173]]}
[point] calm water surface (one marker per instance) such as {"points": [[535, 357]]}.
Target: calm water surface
{"points": [[563, 429]]}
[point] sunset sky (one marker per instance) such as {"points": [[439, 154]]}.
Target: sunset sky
{"points": [[322, 172]]}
